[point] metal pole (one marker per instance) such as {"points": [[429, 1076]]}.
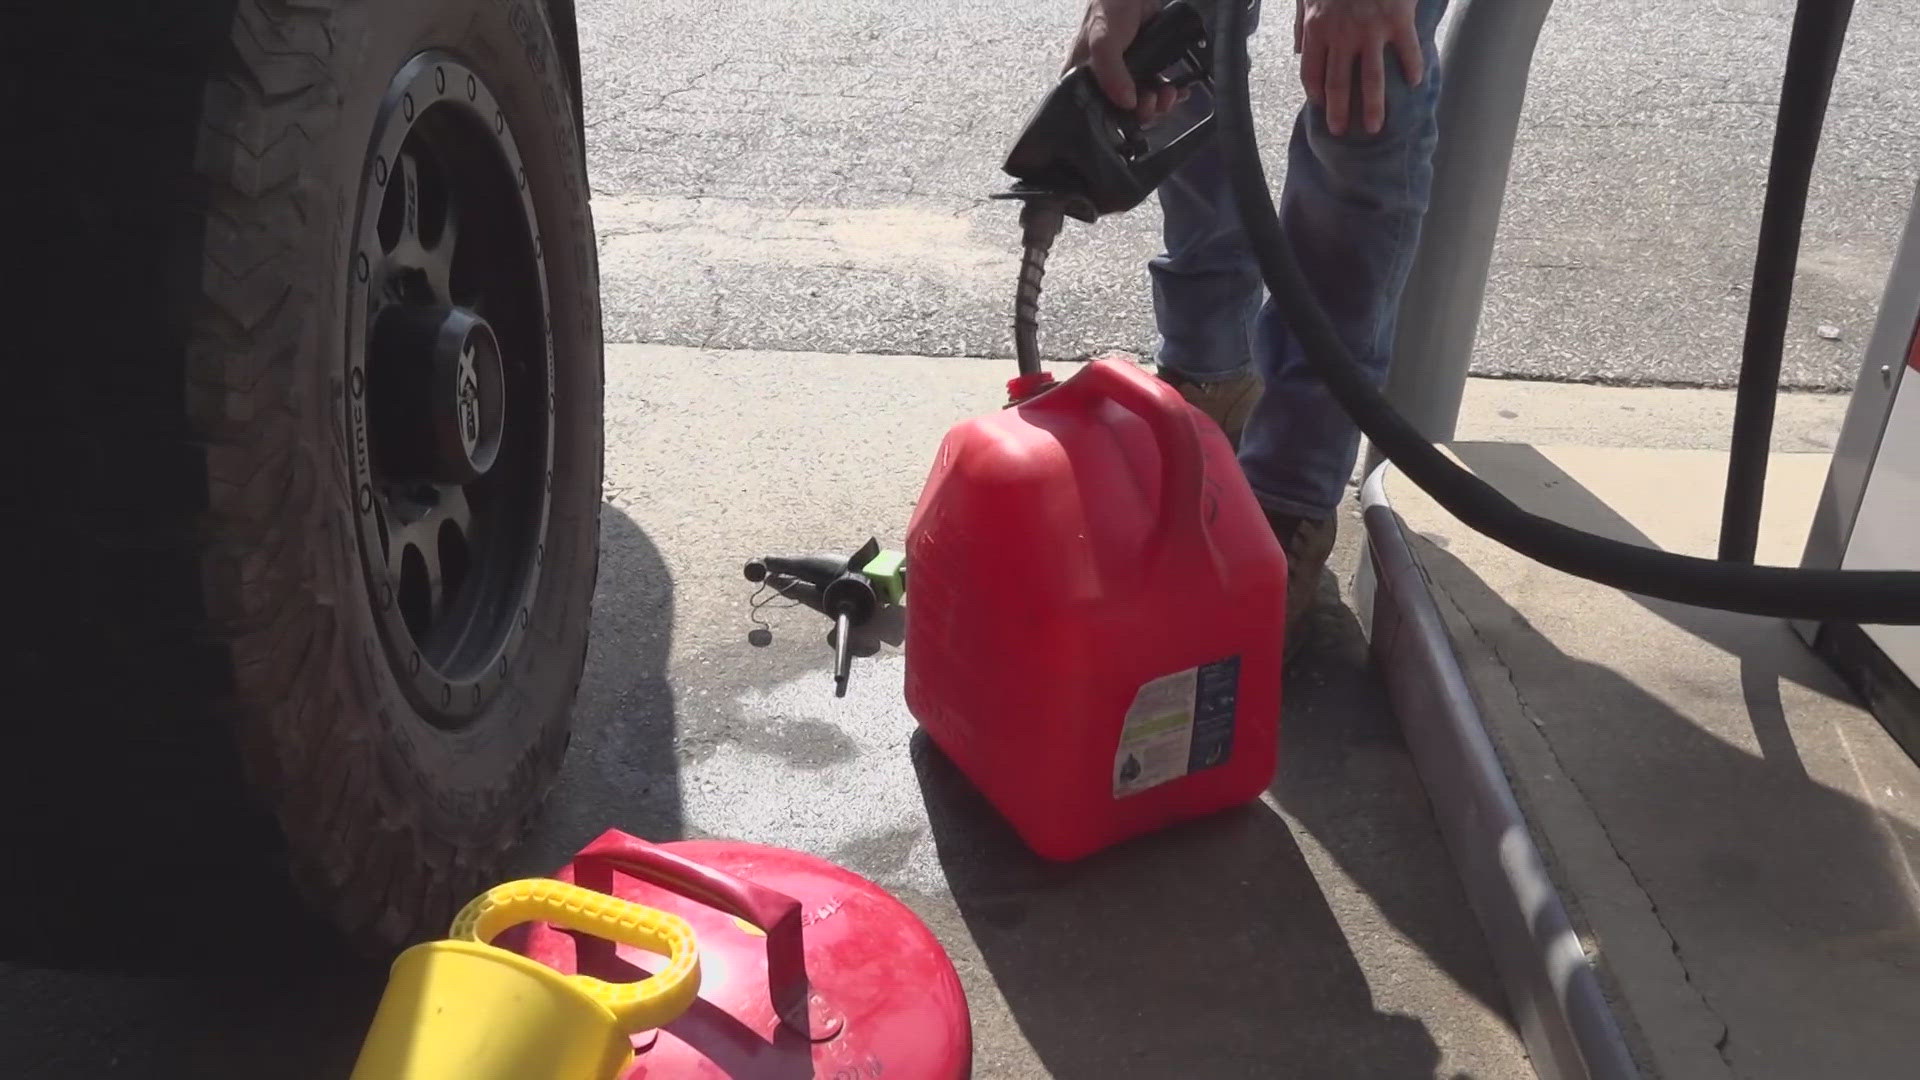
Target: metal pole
{"points": [[1813, 52], [1485, 60]]}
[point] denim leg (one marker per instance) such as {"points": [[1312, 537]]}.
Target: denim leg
{"points": [[1351, 208], [1206, 286]]}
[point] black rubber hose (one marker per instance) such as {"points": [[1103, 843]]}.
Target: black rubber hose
{"points": [[1863, 596], [1813, 53]]}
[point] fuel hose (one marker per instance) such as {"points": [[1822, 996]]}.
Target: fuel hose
{"points": [[1879, 597]]}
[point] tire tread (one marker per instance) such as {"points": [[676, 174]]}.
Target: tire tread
{"points": [[356, 845]]}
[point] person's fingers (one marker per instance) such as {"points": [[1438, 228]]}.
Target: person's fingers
{"points": [[1413, 59], [1105, 48], [1299, 7], [1373, 85], [1077, 52], [1339, 91], [1155, 103], [1313, 72], [1076, 55]]}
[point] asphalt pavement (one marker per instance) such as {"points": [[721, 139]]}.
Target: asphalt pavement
{"points": [[816, 177]]}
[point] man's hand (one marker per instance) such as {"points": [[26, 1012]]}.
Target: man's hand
{"points": [[1331, 35], [1106, 30]]}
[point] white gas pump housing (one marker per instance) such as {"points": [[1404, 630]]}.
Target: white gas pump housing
{"points": [[1869, 512], [1886, 532]]}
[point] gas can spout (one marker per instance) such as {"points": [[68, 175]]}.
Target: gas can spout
{"points": [[465, 1009]]}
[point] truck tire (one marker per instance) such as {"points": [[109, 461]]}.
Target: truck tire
{"points": [[318, 511]]}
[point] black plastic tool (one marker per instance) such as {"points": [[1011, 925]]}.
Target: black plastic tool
{"points": [[1079, 150], [843, 592], [815, 570]]}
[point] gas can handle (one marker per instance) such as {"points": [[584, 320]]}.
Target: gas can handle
{"points": [[1182, 461], [774, 913], [652, 1002]]}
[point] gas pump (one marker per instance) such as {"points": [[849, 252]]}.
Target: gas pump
{"points": [[1868, 517]]}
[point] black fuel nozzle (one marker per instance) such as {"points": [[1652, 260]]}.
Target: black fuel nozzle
{"points": [[1080, 156], [1090, 157]]}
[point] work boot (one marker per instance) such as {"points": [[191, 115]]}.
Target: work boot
{"points": [[1226, 401], [1308, 542]]}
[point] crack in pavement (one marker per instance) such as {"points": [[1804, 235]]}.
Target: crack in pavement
{"points": [[1722, 1044]]}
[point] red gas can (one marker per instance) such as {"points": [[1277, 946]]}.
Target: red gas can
{"points": [[807, 969], [1095, 613]]}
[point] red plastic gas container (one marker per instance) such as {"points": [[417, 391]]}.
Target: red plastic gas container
{"points": [[1095, 613], [807, 969]]}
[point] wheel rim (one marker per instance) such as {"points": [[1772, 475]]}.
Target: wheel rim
{"points": [[450, 388]]}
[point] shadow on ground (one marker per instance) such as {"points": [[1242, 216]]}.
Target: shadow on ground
{"points": [[1789, 902], [1193, 952], [1347, 779], [1211, 949], [621, 769], [87, 1000], [1768, 649]]}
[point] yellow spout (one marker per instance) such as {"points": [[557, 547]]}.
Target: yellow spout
{"points": [[463, 1008]]}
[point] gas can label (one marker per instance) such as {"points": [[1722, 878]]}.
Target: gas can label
{"points": [[1216, 701], [1178, 723]]}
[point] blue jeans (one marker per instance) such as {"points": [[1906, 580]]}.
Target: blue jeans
{"points": [[1351, 207]]}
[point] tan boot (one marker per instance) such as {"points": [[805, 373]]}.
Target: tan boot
{"points": [[1308, 543], [1227, 401]]}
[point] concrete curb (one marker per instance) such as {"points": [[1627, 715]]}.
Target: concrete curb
{"points": [[1563, 1017]]}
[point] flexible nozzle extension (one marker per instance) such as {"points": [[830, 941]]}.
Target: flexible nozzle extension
{"points": [[1041, 219]]}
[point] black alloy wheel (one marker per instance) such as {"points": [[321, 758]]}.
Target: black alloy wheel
{"points": [[451, 387]]}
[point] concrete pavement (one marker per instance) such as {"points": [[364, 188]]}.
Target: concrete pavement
{"points": [[1317, 933], [1733, 834], [1295, 938]]}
